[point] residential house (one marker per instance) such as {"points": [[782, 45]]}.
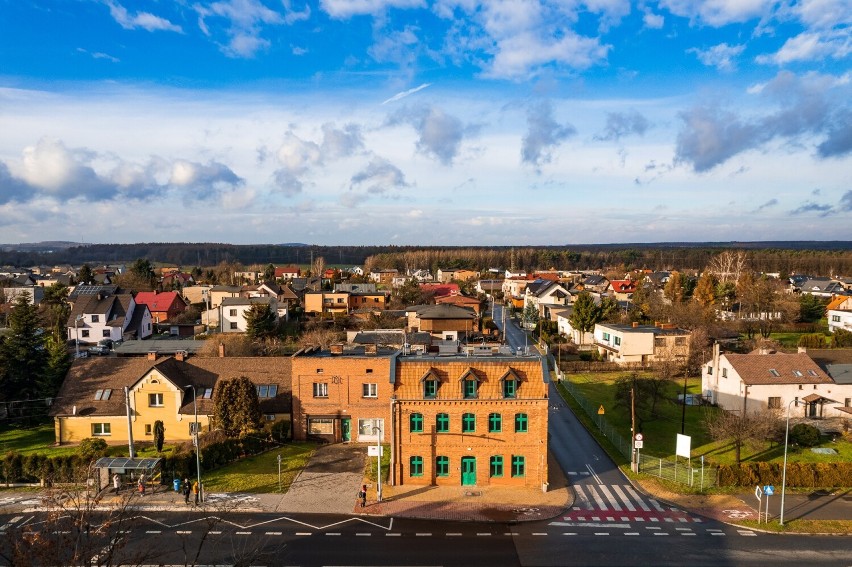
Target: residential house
{"points": [[440, 289], [355, 287], [164, 306], [177, 280], [766, 379], [658, 279], [595, 283], [446, 276], [563, 324], [196, 294], [288, 272], [383, 276], [326, 302], [622, 290], [513, 290], [641, 344], [91, 401], [839, 313], [822, 287], [232, 312], [104, 315], [419, 275], [247, 276], [461, 301], [286, 297], [219, 292], [10, 294], [447, 322], [451, 420], [545, 295], [489, 287], [369, 301]]}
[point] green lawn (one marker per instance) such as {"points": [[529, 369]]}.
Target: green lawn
{"points": [[259, 473], [660, 432], [39, 439]]}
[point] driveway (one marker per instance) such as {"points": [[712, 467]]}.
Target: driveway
{"points": [[329, 482]]}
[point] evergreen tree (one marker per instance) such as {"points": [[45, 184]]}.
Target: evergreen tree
{"points": [[260, 321], [85, 275], [56, 366], [236, 407], [22, 353], [585, 315], [159, 435]]}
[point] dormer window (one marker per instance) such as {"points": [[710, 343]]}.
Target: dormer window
{"points": [[95, 318], [468, 389]]}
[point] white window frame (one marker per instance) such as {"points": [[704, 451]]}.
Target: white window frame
{"points": [[101, 430], [369, 390], [320, 389], [156, 400]]}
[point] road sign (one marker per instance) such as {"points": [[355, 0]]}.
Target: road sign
{"points": [[375, 451], [638, 444], [769, 490], [758, 493], [601, 410], [638, 437]]}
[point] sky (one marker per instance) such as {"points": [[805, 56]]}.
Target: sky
{"points": [[425, 122]]}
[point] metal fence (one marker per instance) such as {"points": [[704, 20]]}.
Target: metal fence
{"points": [[682, 470]]}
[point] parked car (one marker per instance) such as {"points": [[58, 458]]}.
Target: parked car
{"points": [[98, 349]]}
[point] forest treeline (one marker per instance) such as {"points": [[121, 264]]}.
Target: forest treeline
{"points": [[814, 258]]}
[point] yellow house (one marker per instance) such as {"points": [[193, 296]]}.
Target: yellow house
{"points": [[92, 400]]}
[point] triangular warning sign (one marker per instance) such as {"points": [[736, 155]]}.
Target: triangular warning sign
{"points": [[601, 410]]}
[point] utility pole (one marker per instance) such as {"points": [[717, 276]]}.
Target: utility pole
{"points": [[632, 425], [129, 423]]}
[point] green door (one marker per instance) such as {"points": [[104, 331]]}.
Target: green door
{"points": [[468, 471], [346, 429]]}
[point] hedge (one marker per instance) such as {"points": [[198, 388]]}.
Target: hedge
{"points": [[801, 475], [67, 468]]}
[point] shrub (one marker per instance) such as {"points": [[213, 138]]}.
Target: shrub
{"points": [[802, 475], [92, 448], [812, 340], [841, 338], [804, 435]]}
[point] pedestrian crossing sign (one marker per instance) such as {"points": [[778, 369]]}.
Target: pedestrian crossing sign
{"points": [[601, 410]]}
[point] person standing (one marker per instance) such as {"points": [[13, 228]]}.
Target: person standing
{"points": [[196, 490], [363, 495], [142, 485], [186, 490], [116, 482]]}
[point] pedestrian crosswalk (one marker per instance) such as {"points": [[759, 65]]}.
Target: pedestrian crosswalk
{"points": [[621, 503]]}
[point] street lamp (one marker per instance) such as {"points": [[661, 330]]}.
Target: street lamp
{"points": [[195, 439], [378, 462], [77, 319], [784, 473]]}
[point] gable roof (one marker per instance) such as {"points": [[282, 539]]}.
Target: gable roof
{"points": [[162, 301], [777, 368], [114, 308], [442, 311], [88, 375]]}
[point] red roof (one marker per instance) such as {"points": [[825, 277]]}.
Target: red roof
{"points": [[623, 286], [441, 290], [457, 300], [157, 301], [288, 271]]}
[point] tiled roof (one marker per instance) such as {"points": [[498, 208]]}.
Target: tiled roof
{"points": [[445, 312], [157, 301], [777, 368], [88, 375]]}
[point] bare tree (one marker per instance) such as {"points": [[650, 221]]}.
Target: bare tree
{"points": [[728, 266], [741, 428]]}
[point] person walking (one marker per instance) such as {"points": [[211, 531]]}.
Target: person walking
{"points": [[187, 488], [142, 485], [196, 490], [362, 494], [116, 482]]}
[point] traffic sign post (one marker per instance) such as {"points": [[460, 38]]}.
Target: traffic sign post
{"points": [[601, 410], [758, 493], [768, 490]]}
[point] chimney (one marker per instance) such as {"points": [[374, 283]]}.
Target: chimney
{"points": [[221, 350], [152, 355], [764, 350], [635, 324], [336, 348], [180, 355], [803, 350]]}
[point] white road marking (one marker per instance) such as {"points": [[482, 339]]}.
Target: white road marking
{"points": [[635, 495], [661, 533], [332, 533], [631, 533], [363, 535], [483, 533], [612, 500], [243, 533], [569, 533], [304, 533], [594, 475], [656, 505], [598, 500], [273, 533], [393, 535], [539, 533], [423, 534], [624, 498], [154, 532], [454, 534], [716, 533]]}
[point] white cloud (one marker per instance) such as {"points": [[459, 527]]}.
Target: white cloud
{"points": [[379, 177], [244, 22], [144, 20], [439, 134], [543, 134], [343, 9], [721, 56], [403, 94], [653, 21], [810, 46], [719, 13]]}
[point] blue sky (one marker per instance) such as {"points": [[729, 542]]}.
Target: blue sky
{"points": [[425, 122]]}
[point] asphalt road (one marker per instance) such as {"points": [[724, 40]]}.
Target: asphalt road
{"points": [[178, 538]]}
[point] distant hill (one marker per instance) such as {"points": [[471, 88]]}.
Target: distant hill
{"points": [[41, 247]]}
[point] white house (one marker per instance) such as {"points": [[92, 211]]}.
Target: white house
{"points": [[840, 314], [232, 312], [546, 295], [767, 379], [104, 315], [631, 344], [563, 323]]}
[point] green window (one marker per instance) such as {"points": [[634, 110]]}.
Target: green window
{"points": [[518, 465], [442, 423], [468, 423], [510, 388], [469, 388], [442, 466], [495, 423], [416, 466], [415, 423], [430, 388], [496, 468], [520, 423]]}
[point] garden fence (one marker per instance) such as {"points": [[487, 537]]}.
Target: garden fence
{"points": [[683, 470]]}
